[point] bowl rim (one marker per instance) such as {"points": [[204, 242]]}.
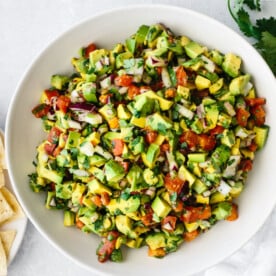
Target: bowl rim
{"points": [[60, 36]]}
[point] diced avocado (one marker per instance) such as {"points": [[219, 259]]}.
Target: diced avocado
{"points": [[160, 207], [135, 178], [194, 168], [89, 92], [185, 175], [159, 139], [184, 92], [197, 126], [202, 83], [220, 156], [190, 227], [184, 40], [107, 111], [65, 190], [69, 218], [222, 210], [50, 200], [159, 123], [94, 138], [121, 57], [139, 122], [216, 57], [97, 160], [77, 193], [51, 175], [113, 171], [131, 45], [150, 177], [238, 84], [119, 48], [130, 205], [197, 157], [141, 34], [122, 112], [156, 240], [95, 187], [228, 138], [153, 32], [164, 104], [73, 140], [144, 105], [214, 88], [231, 64], [224, 120], [193, 64], [64, 159], [193, 49], [137, 145], [98, 173], [199, 187], [218, 197], [124, 225], [97, 55], [236, 189], [261, 135], [202, 199], [150, 157], [59, 81]]}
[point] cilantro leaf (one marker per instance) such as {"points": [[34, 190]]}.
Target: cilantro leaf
{"points": [[253, 4], [267, 24], [246, 25], [267, 47]]}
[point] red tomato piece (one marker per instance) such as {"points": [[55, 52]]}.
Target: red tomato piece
{"points": [[242, 116], [190, 137], [133, 91], [192, 214], [49, 148], [53, 135], [41, 110], [63, 102], [189, 236], [90, 48], [51, 94], [256, 101], [181, 76], [124, 80], [216, 130], [118, 146], [151, 136], [173, 184], [169, 223], [234, 213], [258, 113], [207, 142], [246, 165]]}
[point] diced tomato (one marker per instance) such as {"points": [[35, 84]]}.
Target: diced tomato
{"points": [[174, 184], [63, 102], [256, 101], [165, 147], [157, 85], [181, 76], [234, 213], [207, 142], [158, 70], [192, 214], [105, 198], [53, 135], [51, 93], [169, 223], [90, 48], [258, 113], [124, 80], [96, 199], [190, 137], [189, 236], [253, 146], [125, 165], [157, 253], [49, 148], [216, 130], [133, 91], [170, 93], [41, 110], [107, 246], [118, 146], [147, 218], [246, 165], [57, 151], [242, 116], [178, 207], [79, 224], [151, 136], [104, 99]]}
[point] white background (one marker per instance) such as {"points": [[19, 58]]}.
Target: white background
{"points": [[26, 28]]}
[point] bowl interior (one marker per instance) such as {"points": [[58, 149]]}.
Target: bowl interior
{"points": [[24, 133]]}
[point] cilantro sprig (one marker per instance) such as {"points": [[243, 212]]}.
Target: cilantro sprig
{"points": [[263, 31]]}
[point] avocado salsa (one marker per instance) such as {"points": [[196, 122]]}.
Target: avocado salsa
{"points": [[148, 143]]}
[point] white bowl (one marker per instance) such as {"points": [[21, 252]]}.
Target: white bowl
{"points": [[24, 132]]}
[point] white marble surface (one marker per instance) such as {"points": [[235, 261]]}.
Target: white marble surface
{"points": [[26, 27]]}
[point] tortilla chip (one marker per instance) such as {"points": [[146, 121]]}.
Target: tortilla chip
{"points": [[12, 201], [2, 178], [2, 153], [3, 260], [7, 237], [6, 211]]}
